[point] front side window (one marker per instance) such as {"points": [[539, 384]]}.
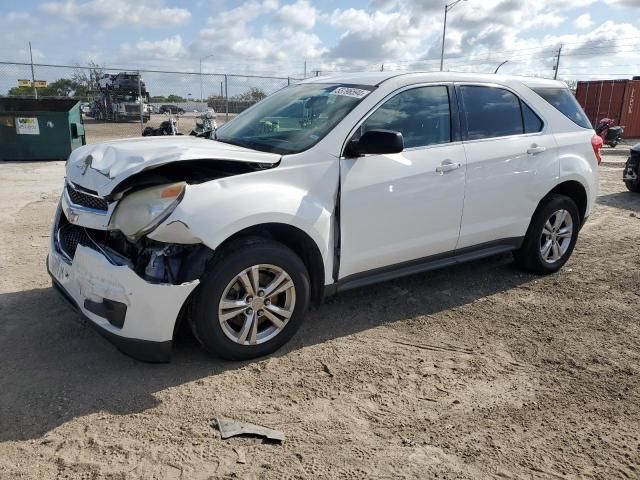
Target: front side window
{"points": [[421, 114], [294, 118], [491, 112]]}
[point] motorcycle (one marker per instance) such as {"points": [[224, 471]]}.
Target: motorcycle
{"points": [[631, 175], [167, 127], [207, 127], [611, 135]]}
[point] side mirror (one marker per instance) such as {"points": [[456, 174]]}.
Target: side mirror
{"points": [[377, 142]]}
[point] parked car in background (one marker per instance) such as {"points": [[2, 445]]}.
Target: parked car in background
{"points": [[330, 184], [631, 175], [172, 109]]}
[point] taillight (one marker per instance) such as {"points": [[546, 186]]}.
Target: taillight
{"points": [[596, 143]]}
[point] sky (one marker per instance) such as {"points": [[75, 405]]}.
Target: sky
{"points": [[276, 37]]}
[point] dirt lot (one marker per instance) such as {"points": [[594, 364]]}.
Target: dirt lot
{"points": [[97, 132], [478, 371]]}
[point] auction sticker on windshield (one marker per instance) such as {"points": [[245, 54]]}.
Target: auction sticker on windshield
{"points": [[27, 126], [350, 92]]}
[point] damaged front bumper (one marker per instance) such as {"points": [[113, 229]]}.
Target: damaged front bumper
{"points": [[137, 316]]}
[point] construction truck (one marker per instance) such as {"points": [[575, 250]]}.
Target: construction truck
{"points": [[120, 98]]}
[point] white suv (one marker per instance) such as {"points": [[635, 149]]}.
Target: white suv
{"points": [[330, 184]]}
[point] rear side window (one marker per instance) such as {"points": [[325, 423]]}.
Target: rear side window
{"points": [[564, 101], [491, 112], [532, 122]]}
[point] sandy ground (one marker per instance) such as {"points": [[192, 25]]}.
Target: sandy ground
{"points": [[478, 371]]}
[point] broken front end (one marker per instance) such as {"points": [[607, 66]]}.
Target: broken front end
{"points": [[131, 287]]}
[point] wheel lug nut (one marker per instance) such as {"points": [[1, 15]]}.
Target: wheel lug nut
{"points": [[249, 299], [260, 312], [267, 302], [261, 293], [249, 311]]}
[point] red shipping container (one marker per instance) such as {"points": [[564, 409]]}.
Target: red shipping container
{"points": [[631, 110], [616, 99]]}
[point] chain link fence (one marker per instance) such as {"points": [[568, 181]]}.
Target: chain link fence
{"points": [[118, 103]]}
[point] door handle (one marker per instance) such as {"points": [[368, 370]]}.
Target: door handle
{"points": [[447, 166], [535, 149]]}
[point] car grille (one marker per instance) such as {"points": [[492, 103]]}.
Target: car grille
{"points": [[132, 108], [82, 199], [69, 237]]}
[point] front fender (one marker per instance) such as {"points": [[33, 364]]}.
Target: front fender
{"points": [[212, 212]]}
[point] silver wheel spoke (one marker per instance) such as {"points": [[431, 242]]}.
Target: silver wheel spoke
{"points": [[556, 251], [547, 229], [246, 326], [285, 286], [546, 248], [565, 233], [255, 278], [254, 329], [274, 284], [246, 283], [280, 311], [225, 317], [228, 304], [279, 324]]}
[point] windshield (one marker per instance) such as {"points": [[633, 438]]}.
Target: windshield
{"points": [[293, 119]]}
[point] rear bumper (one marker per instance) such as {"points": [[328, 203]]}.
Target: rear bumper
{"points": [[135, 315]]}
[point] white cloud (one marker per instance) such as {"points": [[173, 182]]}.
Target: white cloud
{"points": [[117, 13], [300, 14], [583, 21], [170, 48]]}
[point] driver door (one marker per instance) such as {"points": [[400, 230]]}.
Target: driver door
{"points": [[404, 207]]}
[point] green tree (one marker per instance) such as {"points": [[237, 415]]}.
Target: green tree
{"points": [[175, 99], [252, 95]]}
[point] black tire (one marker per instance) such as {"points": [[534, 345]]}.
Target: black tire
{"points": [[529, 256], [239, 257], [633, 186]]}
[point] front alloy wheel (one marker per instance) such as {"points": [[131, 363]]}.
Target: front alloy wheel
{"points": [[251, 301], [257, 304]]}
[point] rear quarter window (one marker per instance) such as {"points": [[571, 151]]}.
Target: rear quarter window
{"points": [[564, 101]]}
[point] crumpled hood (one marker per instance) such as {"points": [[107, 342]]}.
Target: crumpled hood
{"points": [[103, 166]]}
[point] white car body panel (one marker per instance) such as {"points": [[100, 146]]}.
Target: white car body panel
{"points": [[397, 208], [393, 208], [151, 309], [112, 162]]}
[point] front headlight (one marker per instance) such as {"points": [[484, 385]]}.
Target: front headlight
{"points": [[140, 212]]}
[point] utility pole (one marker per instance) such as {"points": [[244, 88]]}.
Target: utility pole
{"points": [[444, 29], [382, 67], [33, 74], [305, 69], [201, 59], [557, 66]]}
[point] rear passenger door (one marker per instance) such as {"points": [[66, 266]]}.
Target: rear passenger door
{"points": [[509, 150]]}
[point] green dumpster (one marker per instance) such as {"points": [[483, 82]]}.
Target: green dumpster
{"points": [[43, 129]]}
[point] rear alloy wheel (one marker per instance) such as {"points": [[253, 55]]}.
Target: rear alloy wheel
{"points": [[251, 301], [551, 236]]}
